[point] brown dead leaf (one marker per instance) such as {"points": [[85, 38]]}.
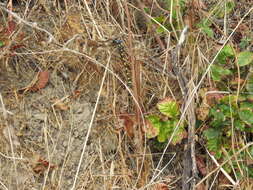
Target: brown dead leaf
{"points": [[201, 165], [150, 129], [42, 81], [59, 104], [11, 27], [128, 124], [202, 112], [199, 4], [214, 97], [201, 187], [42, 165], [161, 186]]}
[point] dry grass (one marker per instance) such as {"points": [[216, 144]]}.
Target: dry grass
{"points": [[108, 67]]}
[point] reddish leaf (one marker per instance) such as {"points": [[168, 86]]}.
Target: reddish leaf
{"points": [[201, 187], [41, 166], [201, 165], [213, 98], [11, 27], [43, 78], [128, 125], [161, 186]]}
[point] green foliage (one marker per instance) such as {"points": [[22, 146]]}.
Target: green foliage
{"points": [[175, 7], [1, 44], [221, 119], [227, 52], [245, 58], [245, 42], [218, 72], [226, 8], [205, 26], [169, 108], [249, 84], [163, 129]]}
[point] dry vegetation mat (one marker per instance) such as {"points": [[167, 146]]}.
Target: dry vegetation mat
{"points": [[122, 94]]}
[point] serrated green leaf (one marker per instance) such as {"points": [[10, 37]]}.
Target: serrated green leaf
{"points": [[165, 129], [169, 108], [212, 133], [153, 126], [218, 72], [168, 128], [204, 25], [245, 58], [232, 99], [246, 116], [217, 114], [246, 105], [245, 42], [239, 125], [208, 31]]}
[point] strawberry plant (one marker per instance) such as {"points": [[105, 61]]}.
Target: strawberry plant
{"points": [[166, 125]]}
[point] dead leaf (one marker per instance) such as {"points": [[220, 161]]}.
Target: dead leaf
{"points": [[128, 124], [59, 104], [41, 165], [42, 81], [150, 129], [161, 186], [201, 187], [201, 165], [11, 27]]}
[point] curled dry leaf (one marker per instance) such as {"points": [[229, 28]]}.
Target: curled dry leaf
{"points": [[43, 78], [201, 165], [150, 129], [128, 124], [59, 104], [42, 165], [161, 186]]}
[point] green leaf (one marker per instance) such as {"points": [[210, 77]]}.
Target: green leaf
{"points": [[232, 99], [165, 130], [204, 25], [249, 83], [217, 114], [169, 108], [251, 151], [168, 128], [1, 43], [226, 52], [246, 106], [245, 42], [177, 7], [153, 126], [245, 58], [159, 19], [226, 8], [246, 116], [212, 133], [218, 72], [160, 30], [239, 125], [213, 141]]}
